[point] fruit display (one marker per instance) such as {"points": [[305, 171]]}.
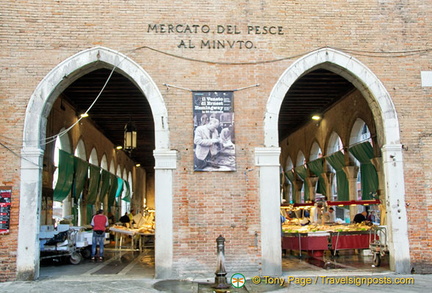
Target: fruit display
{"points": [[289, 227], [142, 224]]}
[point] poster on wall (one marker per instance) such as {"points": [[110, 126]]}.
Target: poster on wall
{"points": [[5, 205], [214, 139]]}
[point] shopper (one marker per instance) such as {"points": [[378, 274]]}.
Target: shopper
{"points": [[99, 224]]}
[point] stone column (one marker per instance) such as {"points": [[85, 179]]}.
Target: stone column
{"points": [[397, 227], [377, 162], [287, 189], [311, 185], [267, 159], [298, 184], [29, 214], [328, 180], [351, 173], [165, 163]]}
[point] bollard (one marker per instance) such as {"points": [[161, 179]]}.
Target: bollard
{"points": [[220, 279]]}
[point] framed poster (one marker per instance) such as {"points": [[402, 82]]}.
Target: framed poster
{"points": [[5, 205], [214, 139]]}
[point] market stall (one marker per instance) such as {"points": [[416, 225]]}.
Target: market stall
{"points": [[309, 227], [315, 239], [140, 232], [139, 238]]}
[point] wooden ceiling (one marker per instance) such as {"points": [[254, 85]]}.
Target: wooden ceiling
{"points": [[313, 93], [122, 101]]}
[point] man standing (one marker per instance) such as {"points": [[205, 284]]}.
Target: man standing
{"points": [[99, 224], [206, 140], [329, 216], [360, 217]]}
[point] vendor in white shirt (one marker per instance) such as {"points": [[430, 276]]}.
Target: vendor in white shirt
{"points": [[330, 216]]}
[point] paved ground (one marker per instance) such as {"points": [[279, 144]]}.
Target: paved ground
{"points": [[129, 271], [417, 283]]}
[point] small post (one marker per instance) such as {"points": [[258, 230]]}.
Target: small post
{"points": [[220, 279]]}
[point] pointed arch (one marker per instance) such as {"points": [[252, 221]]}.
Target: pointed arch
{"points": [[80, 150], [334, 143], [359, 132], [93, 159], [104, 162], [38, 109], [300, 160], [387, 125], [315, 151], [288, 164]]}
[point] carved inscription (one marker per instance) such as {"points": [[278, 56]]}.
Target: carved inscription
{"points": [[212, 34]]}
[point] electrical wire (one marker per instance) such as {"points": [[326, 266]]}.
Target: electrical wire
{"points": [[380, 54], [218, 62], [377, 54], [54, 137]]}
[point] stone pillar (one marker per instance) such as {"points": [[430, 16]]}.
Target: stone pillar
{"points": [[287, 188], [311, 185], [267, 159], [351, 173], [29, 214], [328, 180], [397, 227], [377, 162], [298, 184], [165, 163]]}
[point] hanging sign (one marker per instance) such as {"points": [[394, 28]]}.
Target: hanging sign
{"points": [[5, 204], [214, 140]]}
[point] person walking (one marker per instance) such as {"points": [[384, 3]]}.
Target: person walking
{"points": [[99, 224]]}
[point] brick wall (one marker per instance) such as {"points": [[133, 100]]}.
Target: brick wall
{"points": [[36, 38]]}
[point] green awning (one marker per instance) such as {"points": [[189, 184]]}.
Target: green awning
{"points": [[81, 171], [317, 167], [112, 191], [337, 161], [90, 212], [363, 152], [302, 172], [65, 176], [119, 187], [93, 185], [104, 185], [127, 196], [289, 175]]}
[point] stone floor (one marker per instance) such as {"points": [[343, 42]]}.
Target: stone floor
{"points": [[129, 271], [346, 261], [135, 264]]}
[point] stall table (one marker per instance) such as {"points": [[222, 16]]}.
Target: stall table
{"points": [[350, 240], [142, 238], [311, 242], [316, 242]]}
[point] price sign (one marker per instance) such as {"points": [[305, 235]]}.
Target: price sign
{"points": [[5, 205]]}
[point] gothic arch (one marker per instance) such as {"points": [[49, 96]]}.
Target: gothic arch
{"points": [[38, 109], [386, 122]]}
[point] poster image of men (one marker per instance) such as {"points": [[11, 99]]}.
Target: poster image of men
{"points": [[214, 142]]}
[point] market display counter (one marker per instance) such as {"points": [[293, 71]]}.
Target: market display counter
{"points": [[350, 240], [316, 243], [304, 241]]}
